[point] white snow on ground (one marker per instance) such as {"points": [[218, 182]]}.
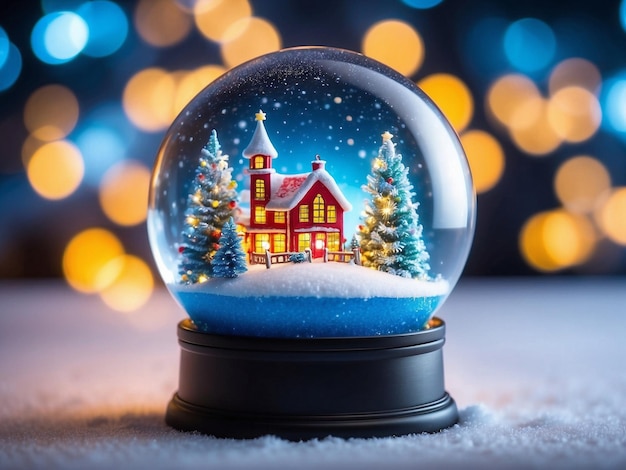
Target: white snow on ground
{"points": [[338, 280]]}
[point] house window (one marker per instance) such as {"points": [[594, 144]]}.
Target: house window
{"points": [[259, 215], [304, 213], [332, 240], [318, 209], [331, 214], [259, 162], [259, 190], [304, 241], [261, 242], [279, 217], [279, 243]]}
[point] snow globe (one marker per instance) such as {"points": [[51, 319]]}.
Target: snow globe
{"points": [[311, 210]]}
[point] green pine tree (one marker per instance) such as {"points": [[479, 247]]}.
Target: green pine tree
{"points": [[391, 236], [230, 259], [211, 204]]}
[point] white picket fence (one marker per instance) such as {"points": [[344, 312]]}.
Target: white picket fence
{"points": [[268, 258]]}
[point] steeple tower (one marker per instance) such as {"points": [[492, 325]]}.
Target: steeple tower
{"points": [[260, 150]]}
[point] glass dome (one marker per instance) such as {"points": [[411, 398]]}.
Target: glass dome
{"points": [[311, 193]]}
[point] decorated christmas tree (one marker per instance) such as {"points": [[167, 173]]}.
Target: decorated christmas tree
{"points": [[211, 204], [391, 236], [230, 259]]}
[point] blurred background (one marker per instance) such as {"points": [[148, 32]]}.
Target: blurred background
{"points": [[535, 89]]}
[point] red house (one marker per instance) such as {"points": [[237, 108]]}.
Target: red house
{"points": [[291, 212]]}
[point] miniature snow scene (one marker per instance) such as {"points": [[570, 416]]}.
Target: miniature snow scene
{"points": [[311, 193]]}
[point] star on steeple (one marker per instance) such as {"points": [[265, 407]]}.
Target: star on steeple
{"points": [[386, 136], [260, 116]]}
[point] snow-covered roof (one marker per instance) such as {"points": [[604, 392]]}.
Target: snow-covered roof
{"points": [[288, 190], [260, 143]]}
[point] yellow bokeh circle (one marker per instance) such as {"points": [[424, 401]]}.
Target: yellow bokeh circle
{"points": [[611, 216], [396, 44], [132, 283], [580, 182], [452, 96], [248, 38], [124, 193], [148, 99], [86, 255], [161, 23], [51, 112], [555, 240], [56, 169], [485, 157]]}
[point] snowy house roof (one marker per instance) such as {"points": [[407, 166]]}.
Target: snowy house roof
{"points": [[288, 190], [260, 143]]}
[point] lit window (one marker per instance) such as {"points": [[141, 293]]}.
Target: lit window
{"points": [[332, 240], [279, 217], [331, 214], [259, 190], [259, 162], [304, 213], [318, 209], [279, 243], [261, 242], [304, 241], [259, 215]]}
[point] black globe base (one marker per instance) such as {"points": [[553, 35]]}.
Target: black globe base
{"points": [[299, 389]]}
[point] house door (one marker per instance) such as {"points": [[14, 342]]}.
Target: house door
{"points": [[318, 245]]}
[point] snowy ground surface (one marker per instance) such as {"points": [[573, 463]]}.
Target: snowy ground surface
{"points": [[319, 279], [536, 367]]}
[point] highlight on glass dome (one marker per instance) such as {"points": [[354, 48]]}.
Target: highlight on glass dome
{"points": [[311, 192]]}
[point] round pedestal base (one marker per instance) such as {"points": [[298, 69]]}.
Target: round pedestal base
{"points": [[299, 389]]}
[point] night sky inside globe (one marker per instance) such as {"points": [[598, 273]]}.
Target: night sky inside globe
{"points": [[310, 109]]}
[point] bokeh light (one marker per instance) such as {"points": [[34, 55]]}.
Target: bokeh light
{"points": [[193, 82], [59, 37], [51, 112], [580, 182], [536, 137], [4, 47], [396, 44], [611, 216], [148, 98], [213, 18], [101, 147], [575, 72], [529, 44], [555, 240], [574, 113], [86, 255], [615, 104], [161, 23], [56, 169], [422, 4], [513, 99], [131, 286], [485, 157], [622, 14], [10, 63], [108, 27], [248, 38], [124, 193], [452, 96]]}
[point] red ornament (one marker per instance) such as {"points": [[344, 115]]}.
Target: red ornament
{"points": [[232, 204], [390, 180], [201, 177], [181, 249]]}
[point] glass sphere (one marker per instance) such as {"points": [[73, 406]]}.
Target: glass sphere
{"points": [[310, 193]]}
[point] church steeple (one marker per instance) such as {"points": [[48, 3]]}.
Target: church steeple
{"points": [[260, 146]]}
